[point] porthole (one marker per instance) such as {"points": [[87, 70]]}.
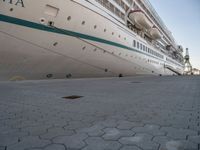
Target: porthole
{"points": [[119, 36], [95, 26], [83, 23], [42, 20], [106, 70], [69, 18], [55, 44], [113, 33], [84, 48], [104, 30], [49, 75], [11, 9], [95, 50]]}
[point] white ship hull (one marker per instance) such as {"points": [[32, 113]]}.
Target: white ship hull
{"points": [[82, 46]]}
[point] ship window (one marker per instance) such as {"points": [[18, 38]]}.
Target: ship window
{"points": [[143, 48], [134, 43], [119, 36], [84, 48], [83, 22], [138, 45], [95, 26], [69, 18], [104, 30], [113, 33]]}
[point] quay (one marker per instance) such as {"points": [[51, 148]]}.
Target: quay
{"points": [[133, 113]]}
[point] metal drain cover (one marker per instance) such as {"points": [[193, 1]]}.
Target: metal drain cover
{"points": [[73, 97]]}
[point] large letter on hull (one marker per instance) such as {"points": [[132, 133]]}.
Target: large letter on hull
{"points": [[20, 2]]}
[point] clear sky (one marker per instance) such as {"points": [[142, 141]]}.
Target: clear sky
{"points": [[182, 17]]}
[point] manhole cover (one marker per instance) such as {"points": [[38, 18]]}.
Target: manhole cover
{"points": [[72, 97]]}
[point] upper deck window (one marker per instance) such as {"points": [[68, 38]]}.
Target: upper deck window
{"points": [[138, 45]]}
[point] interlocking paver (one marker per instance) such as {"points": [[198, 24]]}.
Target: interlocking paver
{"points": [[178, 145], [150, 129], [98, 143], [55, 131], [108, 123], [11, 137], [131, 113], [141, 140], [95, 130], [194, 139], [75, 141], [29, 142], [54, 147], [122, 124], [130, 148], [115, 133], [178, 133]]}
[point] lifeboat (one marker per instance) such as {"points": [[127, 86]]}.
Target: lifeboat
{"points": [[140, 19], [155, 33]]}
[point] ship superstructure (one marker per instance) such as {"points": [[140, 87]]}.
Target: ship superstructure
{"points": [[142, 19], [84, 38]]}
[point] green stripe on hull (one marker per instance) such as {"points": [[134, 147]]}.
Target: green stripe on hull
{"points": [[34, 25]]}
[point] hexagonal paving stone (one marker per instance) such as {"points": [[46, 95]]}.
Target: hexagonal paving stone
{"points": [[130, 148], [114, 133], [141, 140], [161, 139], [110, 123], [194, 139], [11, 137], [178, 134], [29, 142], [55, 131], [76, 125], [54, 147], [75, 141], [95, 130], [178, 145], [37, 130], [150, 129], [97, 143], [123, 124]]}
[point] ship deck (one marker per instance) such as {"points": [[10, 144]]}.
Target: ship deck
{"points": [[135, 113]]}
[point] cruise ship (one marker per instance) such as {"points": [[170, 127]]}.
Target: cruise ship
{"points": [[56, 39]]}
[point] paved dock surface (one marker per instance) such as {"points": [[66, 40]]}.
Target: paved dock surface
{"points": [[137, 113]]}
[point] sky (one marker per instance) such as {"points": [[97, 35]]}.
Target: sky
{"points": [[182, 18]]}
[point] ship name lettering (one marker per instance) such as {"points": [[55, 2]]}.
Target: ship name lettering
{"points": [[16, 2]]}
